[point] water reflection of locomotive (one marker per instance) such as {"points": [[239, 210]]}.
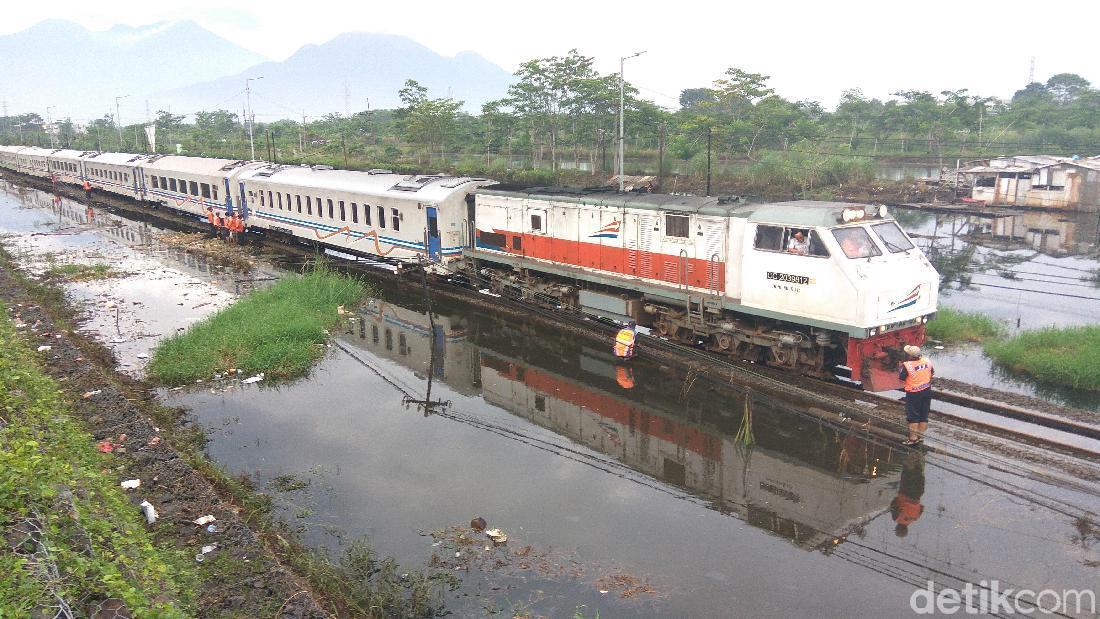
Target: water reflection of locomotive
{"points": [[723, 274], [803, 480]]}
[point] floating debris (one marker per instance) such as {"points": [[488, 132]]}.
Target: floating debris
{"points": [[498, 536]]}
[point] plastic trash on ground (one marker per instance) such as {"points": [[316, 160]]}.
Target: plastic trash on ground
{"points": [[88, 394], [130, 484], [44, 348], [149, 511], [498, 536], [255, 379], [204, 519]]}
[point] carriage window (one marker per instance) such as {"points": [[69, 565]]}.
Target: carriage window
{"points": [[366, 214], [769, 238], [892, 237], [262, 201], [173, 183], [676, 225], [309, 205], [270, 200], [280, 198], [381, 217], [536, 223], [342, 218], [330, 210], [298, 201], [288, 204], [856, 243], [156, 183], [354, 213], [214, 188], [320, 208], [194, 188], [396, 219], [206, 190]]}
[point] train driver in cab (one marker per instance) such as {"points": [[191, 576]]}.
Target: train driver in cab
{"points": [[799, 243]]}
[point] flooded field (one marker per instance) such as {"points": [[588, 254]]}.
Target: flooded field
{"points": [[641, 492], [1027, 271]]}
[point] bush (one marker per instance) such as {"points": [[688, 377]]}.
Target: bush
{"points": [[954, 326], [1067, 356]]}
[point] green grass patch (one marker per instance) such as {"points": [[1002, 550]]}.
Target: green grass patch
{"points": [[952, 327], [1067, 356], [70, 532], [280, 330], [79, 272]]}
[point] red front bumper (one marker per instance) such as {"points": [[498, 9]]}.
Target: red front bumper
{"points": [[874, 360]]}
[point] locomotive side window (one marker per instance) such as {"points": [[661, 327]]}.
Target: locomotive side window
{"points": [[856, 243], [536, 223], [677, 225], [769, 238]]}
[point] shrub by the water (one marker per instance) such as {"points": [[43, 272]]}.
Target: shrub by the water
{"points": [[953, 326], [1068, 356], [280, 330]]}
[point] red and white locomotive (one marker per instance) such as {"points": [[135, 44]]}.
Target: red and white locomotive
{"points": [[809, 286]]}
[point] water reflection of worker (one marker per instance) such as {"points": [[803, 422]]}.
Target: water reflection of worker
{"points": [[624, 342], [906, 507]]}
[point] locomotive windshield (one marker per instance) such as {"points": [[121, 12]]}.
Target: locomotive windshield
{"points": [[892, 237], [856, 242]]}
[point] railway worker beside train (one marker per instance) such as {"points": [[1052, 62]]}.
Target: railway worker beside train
{"points": [[799, 244], [917, 375], [87, 190], [212, 219], [624, 342], [235, 226]]}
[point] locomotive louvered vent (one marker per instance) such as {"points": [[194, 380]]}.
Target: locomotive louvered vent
{"points": [[413, 183]]}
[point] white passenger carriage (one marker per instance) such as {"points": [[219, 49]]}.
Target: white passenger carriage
{"points": [[65, 166], [392, 216], [191, 184], [115, 173], [32, 160]]}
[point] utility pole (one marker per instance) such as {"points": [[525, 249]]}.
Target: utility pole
{"points": [[251, 116], [347, 99], [301, 134], [660, 154], [622, 99], [118, 119], [709, 131]]}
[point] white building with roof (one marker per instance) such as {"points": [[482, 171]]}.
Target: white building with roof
{"points": [[1044, 181]]}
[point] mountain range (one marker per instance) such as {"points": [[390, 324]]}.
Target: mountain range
{"points": [[185, 68]]}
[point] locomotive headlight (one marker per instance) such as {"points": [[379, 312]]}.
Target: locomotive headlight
{"points": [[882, 212], [852, 214]]}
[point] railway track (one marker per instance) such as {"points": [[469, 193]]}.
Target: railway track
{"points": [[875, 413]]}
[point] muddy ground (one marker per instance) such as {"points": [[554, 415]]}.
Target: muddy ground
{"points": [[244, 577]]}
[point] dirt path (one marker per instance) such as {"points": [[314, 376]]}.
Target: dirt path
{"points": [[241, 577]]}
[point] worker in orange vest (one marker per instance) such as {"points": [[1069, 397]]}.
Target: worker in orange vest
{"points": [[236, 226], [87, 189], [624, 342], [210, 217], [916, 375]]}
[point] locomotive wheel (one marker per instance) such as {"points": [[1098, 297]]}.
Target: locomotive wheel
{"points": [[724, 341], [783, 356]]}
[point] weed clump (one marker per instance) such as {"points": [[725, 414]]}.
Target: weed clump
{"points": [[953, 326], [280, 330], [79, 272], [1067, 356]]}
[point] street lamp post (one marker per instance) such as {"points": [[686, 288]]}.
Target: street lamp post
{"points": [[248, 107], [622, 96], [118, 119]]}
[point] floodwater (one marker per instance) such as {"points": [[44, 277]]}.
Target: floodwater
{"points": [[640, 493], [1027, 271]]}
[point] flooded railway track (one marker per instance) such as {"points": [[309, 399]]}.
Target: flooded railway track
{"points": [[836, 402]]}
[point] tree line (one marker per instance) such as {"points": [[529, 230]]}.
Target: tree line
{"points": [[561, 113]]}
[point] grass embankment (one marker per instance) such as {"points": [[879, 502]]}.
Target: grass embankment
{"points": [[280, 330], [953, 326], [69, 532], [1069, 356], [79, 272]]}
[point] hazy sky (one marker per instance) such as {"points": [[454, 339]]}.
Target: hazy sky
{"points": [[812, 49]]}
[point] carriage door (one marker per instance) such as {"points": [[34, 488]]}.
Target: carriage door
{"points": [[241, 201], [434, 244]]}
